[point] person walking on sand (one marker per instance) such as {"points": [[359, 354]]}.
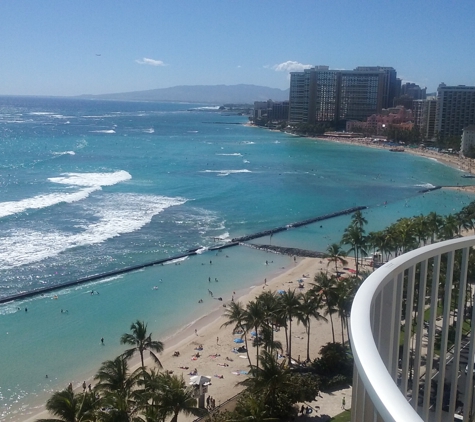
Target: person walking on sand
{"points": [[217, 340], [343, 403]]}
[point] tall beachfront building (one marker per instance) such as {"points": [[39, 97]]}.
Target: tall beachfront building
{"points": [[455, 109], [320, 94], [424, 116]]}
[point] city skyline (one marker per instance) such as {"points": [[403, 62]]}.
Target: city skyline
{"points": [[68, 48]]}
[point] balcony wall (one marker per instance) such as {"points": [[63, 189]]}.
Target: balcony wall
{"points": [[399, 373]]}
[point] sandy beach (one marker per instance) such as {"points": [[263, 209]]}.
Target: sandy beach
{"points": [[227, 368]]}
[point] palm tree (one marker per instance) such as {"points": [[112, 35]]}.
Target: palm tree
{"points": [[269, 302], [336, 254], [118, 388], [358, 220], [71, 407], [252, 408], [141, 342], [325, 286], [354, 236], [254, 318], [289, 305], [310, 308], [236, 314], [269, 378], [175, 398]]}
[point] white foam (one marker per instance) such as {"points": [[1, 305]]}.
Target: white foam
{"points": [[223, 236], [89, 181], [64, 153], [425, 186], [116, 214], [246, 161], [226, 172], [42, 201], [151, 130], [102, 131], [176, 261], [237, 154], [248, 142], [92, 179], [201, 250], [206, 108]]}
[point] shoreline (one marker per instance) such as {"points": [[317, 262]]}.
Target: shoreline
{"points": [[208, 325], [218, 342]]}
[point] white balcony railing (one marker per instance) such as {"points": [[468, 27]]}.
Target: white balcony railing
{"points": [[400, 375]]}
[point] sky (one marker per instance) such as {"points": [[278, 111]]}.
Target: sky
{"points": [[65, 47]]}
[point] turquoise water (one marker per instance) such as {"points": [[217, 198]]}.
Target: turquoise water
{"points": [[89, 186]]}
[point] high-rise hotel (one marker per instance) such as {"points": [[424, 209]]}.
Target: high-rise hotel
{"points": [[319, 94], [455, 109]]}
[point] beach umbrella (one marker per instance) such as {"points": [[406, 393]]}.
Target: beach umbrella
{"points": [[238, 340], [199, 380]]}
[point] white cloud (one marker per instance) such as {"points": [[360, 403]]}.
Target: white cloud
{"points": [[150, 62], [290, 66]]}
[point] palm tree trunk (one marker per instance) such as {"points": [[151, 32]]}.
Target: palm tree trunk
{"points": [[247, 350], [290, 341], [342, 330], [257, 347], [331, 319], [308, 340], [175, 417]]}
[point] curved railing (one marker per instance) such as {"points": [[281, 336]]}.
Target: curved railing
{"points": [[399, 372]]}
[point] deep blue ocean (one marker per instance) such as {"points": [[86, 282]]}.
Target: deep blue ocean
{"points": [[88, 187]]}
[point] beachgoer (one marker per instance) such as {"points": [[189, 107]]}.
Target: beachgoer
{"points": [[84, 385], [70, 386], [46, 376], [210, 262], [209, 279], [207, 401], [196, 331], [26, 309], [89, 388], [217, 340], [343, 403], [302, 409], [102, 341]]}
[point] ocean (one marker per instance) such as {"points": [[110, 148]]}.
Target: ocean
{"points": [[89, 187]]}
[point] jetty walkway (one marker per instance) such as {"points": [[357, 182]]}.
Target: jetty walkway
{"points": [[190, 252]]}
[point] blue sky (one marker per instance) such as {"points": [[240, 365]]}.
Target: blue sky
{"points": [[66, 47]]}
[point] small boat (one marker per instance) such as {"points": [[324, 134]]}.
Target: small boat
{"points": [[468, 176], [397, 149]]}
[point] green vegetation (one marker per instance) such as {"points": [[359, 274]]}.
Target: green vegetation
{"points": [[342, 417]]}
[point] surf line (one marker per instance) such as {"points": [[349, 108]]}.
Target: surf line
{"points": [[190, 252]]}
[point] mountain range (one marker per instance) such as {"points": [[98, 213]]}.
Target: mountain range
{"points": [[209, 94]]}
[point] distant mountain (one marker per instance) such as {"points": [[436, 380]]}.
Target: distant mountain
{"points": [[212, 94]]}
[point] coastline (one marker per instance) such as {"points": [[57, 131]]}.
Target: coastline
{"points": [[217, 342], [207, 326]]}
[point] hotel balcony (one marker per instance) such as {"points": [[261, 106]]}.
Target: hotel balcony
{"points": [[425, 373]]}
